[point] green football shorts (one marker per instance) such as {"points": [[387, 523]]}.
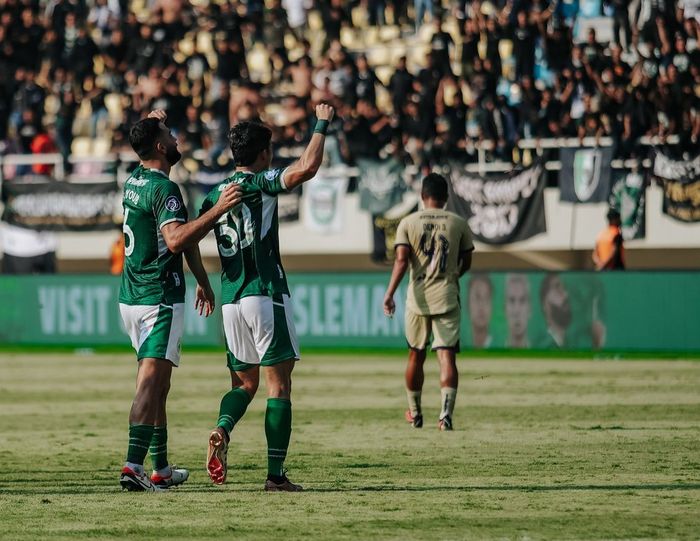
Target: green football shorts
{"points": [[155, 331], [260, 331]]}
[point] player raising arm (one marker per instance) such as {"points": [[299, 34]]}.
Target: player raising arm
{"points": [[257, 310], [437, 247], [152, 293]]}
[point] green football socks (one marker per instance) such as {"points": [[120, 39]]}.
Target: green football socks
{"points": [[278, 429], [159, 448], [233, 406], [139, 440]]}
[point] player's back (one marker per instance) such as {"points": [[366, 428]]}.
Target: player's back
{"points": [[152, 273], [437, 239], [247, 237]]}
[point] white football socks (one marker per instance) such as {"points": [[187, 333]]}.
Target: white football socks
{"points": [[413, 402], [448, 395]]}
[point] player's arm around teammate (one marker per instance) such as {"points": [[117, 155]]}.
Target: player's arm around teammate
{"points": [[152, 292], [256, 308]]}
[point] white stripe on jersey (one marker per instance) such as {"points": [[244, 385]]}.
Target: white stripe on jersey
{"points": [[269, 203]]}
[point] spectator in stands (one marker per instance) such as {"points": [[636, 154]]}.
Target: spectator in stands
{"points": [[366, 81], [524, 35], [42, 143], [421, 9], [400, 86], [26, 38], [641, 84], [621, 24], [368, 132], [64, 123], [442, 47], [375, 12], [334, 16]]}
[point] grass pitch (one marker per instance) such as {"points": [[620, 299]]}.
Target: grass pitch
{"points": [[542, 450]]}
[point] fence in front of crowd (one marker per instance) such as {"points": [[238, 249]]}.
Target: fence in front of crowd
{"points": [[84, 166]]}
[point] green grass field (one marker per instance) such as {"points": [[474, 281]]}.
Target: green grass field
{"points": [[548, 449]]}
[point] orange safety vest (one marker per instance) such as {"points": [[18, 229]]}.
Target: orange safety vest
{"points": [[605, 246]]}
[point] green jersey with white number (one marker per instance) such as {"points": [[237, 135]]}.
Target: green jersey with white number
{"points": [[152, 274], [247, 237]]}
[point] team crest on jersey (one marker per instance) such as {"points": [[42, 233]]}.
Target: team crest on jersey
{"points": [[172, 203], [271, 174]]}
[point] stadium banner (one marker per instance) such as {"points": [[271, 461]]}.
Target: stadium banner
{"points": [[681, 185], [500, 209], [50, 205], [384, 228], [207, 175], [585, 174], [615, 311], [628, 197], [322, 202], [381, 184]]}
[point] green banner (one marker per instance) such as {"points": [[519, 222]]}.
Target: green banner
{"points": [[534, 310]]}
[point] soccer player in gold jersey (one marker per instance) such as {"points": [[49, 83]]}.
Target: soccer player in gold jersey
{"points": [[436, 245]]}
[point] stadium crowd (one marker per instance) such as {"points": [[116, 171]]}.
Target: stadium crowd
{"points": [[427, 78]]}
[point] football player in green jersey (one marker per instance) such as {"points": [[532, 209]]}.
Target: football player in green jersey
{"points": [[152, 294], [257, 310]]}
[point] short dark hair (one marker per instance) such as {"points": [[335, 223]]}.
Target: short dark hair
{"points": [[247, 141], [434, 186], [143, 136], [613, 215]]}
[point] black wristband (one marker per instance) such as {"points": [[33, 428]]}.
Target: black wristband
{"points": [[321, 127]]}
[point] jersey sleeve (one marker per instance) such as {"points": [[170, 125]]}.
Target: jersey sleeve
{"points": [[209, 201], [271, 181], [466, 244], [402, 234], [168, 205]]}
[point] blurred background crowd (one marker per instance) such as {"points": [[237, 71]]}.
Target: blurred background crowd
{"points": [[429, 79]]}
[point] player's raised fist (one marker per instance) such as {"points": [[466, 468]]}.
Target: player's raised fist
{"points": [[159, 114], [230, 196], [324, 112]]}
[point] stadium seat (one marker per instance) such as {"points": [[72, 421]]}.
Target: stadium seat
{"points": [[258, 64], [101, 146], [205, 44], [389, 33], [81, 146], [113, 102], [315, 21]]}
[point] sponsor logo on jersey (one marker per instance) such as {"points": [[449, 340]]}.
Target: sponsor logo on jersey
{"points": [[172, 203], [137, 181], [271, 174]]}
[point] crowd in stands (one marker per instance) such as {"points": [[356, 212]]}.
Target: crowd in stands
{"points": [[426, 78]]}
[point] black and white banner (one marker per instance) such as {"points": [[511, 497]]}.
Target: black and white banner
{"points": [[384, 227], [49, 205], [585, 174], [288, 205], [628, 197], [322, 202], [500, 209], [681, 185], [381, 184]]}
